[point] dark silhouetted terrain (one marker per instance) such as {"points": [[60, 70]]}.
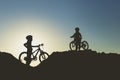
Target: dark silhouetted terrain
{"points": [[69, 65]]}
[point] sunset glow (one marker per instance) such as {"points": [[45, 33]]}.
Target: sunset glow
{"points": [[52, 22]]}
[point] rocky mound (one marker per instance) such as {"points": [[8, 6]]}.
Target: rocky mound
{"points": [[68, 65]]}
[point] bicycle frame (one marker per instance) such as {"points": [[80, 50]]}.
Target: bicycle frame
{"points": [[75, 44], [37, 50]]}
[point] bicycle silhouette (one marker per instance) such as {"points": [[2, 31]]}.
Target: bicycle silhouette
{"points": [[84, 45], [42, 56]]}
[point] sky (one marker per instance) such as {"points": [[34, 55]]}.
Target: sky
{"points": [[52, 22]]}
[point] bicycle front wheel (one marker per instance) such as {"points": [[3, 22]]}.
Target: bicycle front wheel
{"points": [[23, 57], [72, 46], [43, 56]]}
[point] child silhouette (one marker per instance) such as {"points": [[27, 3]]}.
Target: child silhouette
{"points": [[29, 46], [77, 38]]}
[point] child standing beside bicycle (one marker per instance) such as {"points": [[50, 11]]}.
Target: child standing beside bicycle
{"points": [[77, 38], [29, 46]]}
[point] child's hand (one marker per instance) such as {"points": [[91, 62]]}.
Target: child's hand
{"points": [[38, 45]]}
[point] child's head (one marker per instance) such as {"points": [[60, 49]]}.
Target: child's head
{"points": [[29, 37], [77, 29]]}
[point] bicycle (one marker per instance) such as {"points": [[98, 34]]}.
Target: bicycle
{"points": [[84, 45], [42, 56]]}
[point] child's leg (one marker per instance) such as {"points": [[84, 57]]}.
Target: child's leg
{"points": [[28, 61], [79, 45], [76, 46]]}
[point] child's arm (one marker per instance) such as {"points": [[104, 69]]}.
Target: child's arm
{"points": [[72, 35], [36, 46]]}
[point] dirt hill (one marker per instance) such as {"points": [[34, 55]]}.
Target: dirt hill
{"points": [[68, 65]]}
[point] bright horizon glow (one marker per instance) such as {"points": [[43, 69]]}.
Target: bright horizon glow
{"points": [[15, 37]]}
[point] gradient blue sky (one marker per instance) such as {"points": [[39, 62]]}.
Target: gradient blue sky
{"points": [[53, 21]]}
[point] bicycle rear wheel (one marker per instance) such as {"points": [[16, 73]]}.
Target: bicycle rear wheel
{"points": [[85, 45], [43, 56], [23, 57]]}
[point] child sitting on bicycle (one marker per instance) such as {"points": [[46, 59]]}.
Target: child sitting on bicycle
{"points": [[77, 38], [29, 46]]}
